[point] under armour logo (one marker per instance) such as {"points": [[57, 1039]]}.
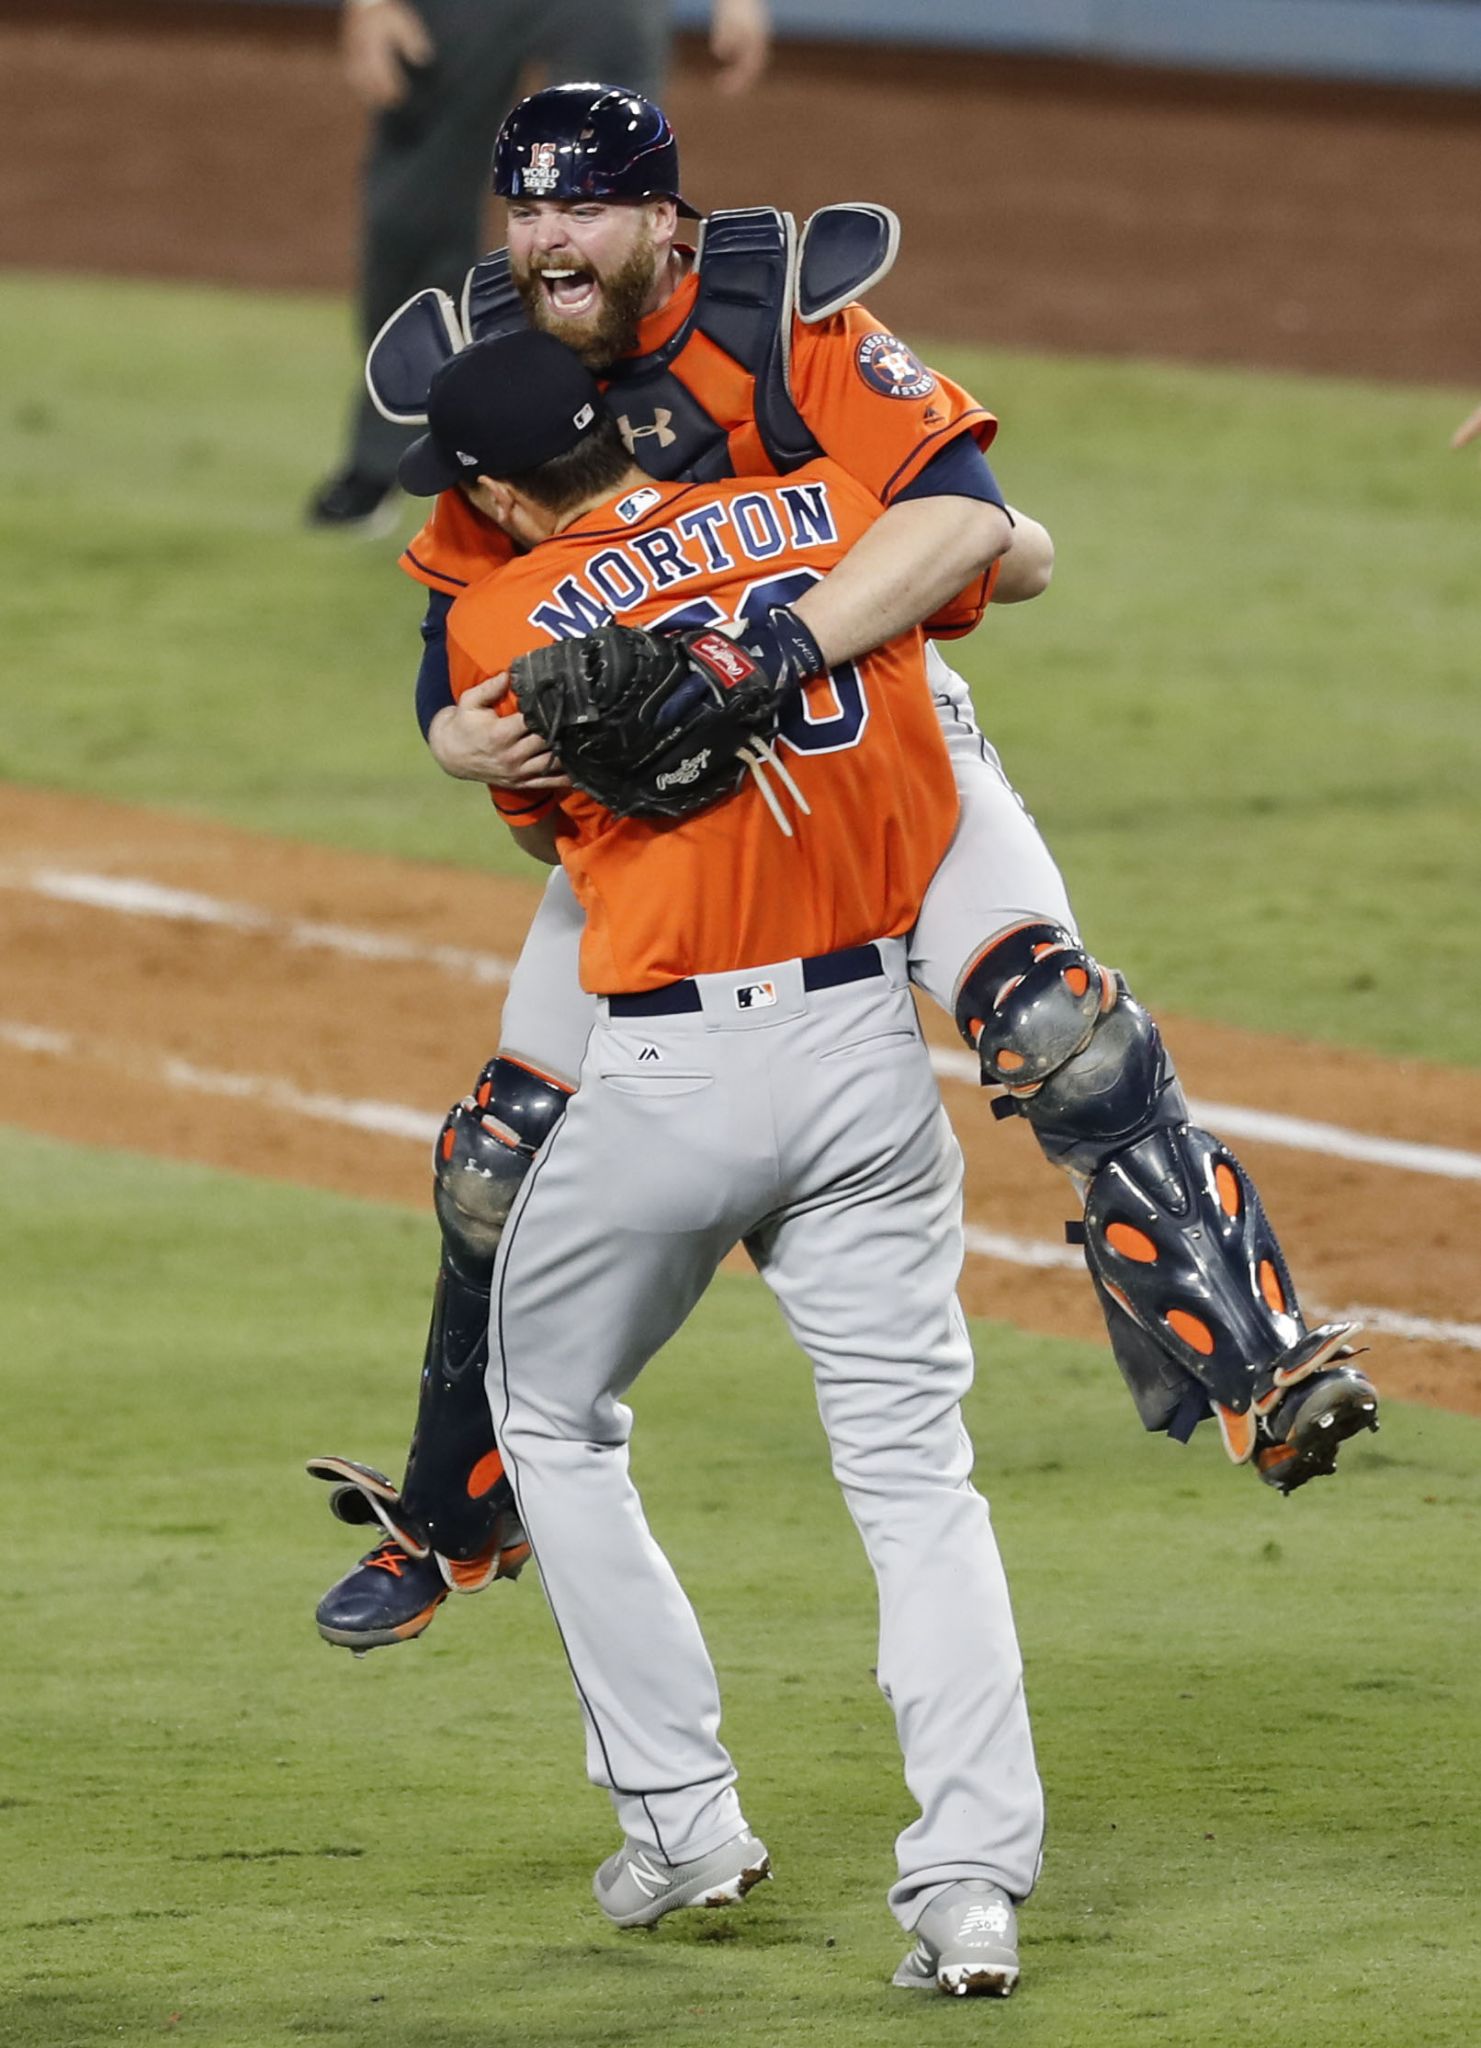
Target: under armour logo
{"points": [[659, 426]]}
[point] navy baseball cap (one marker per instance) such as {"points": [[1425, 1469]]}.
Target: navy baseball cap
{"points": [[501, 408]]}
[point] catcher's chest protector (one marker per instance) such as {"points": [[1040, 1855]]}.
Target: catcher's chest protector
{"points": [[747, 292]]}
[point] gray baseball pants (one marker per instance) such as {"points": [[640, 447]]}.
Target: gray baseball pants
{"points": [[809, 1127]]}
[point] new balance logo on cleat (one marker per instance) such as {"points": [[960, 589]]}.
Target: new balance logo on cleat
{"points": [[645, 1877], [991, 1919]]}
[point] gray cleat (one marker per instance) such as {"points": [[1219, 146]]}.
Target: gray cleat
{"points": [[636, 1887], [965, 1941]]}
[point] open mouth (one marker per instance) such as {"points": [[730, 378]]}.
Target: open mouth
{"points": [[569, 293]]}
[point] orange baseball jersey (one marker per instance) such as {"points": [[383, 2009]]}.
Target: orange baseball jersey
{"points": [[870, 403], [728, 889]]}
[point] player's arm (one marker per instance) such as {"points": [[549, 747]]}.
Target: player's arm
{"points": [[1025, 570], [469, 738], [918, 443], [540, 840], [944, 532]]}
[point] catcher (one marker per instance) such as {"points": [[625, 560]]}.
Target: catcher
{"points": [[751, 354]]}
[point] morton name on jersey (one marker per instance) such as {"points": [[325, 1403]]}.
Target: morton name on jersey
{"points": [[728, 888]]}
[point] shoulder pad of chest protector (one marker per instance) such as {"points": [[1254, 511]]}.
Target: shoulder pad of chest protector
{"points": [[408, 352], [492, 306], [843, 251], [745, 304]]}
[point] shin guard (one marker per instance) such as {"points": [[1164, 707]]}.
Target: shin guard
{"points": [[1199, 1303]]}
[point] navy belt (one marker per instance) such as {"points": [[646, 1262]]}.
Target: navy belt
{"points": [[823, 970]]}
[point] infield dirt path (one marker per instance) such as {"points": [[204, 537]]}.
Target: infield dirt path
{"points": [[293, 1043]]}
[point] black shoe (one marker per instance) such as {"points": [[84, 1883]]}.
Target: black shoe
{"points": [[353, 503], [1309, 1425], [388, 1598]]}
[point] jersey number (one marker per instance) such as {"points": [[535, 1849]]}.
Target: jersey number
{"points": [[826, 715]]}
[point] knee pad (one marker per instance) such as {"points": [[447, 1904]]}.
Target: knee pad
{"points": [[483, 1152], [455, 1490], [1081, 1060], [1029, 1002]]}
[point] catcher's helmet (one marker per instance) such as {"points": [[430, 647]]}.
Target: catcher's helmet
{"points": [[587, 141]]}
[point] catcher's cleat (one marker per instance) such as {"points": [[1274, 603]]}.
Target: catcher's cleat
{"points": [[1306, 1429], [635, 1887], [966, 1942], [387, 1598]]}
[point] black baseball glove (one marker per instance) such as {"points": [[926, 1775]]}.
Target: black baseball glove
{"points": [[650, 724]]}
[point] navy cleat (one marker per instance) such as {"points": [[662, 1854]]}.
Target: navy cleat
{"points": [[1309, 1425], [387, 1598]]}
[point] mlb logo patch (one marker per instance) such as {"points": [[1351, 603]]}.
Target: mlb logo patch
{"points": [[755, 995], [635, 504]]}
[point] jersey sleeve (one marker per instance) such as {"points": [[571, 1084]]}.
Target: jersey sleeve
{"points": [[471, 656], [456, 548], [875, 407]]}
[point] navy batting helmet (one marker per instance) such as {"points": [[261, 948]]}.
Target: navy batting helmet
{"points": [[587, 142]]}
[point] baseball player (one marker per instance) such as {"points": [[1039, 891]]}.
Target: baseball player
{"points": [[750, 355], [755, 1073]]}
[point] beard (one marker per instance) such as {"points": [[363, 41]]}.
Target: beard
{"points": [[610, 331]]}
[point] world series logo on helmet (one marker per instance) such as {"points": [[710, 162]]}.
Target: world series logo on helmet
{"points": [[889, 367], [543, 172]]}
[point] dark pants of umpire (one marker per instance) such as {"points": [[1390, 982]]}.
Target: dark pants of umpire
{"points": [[426, 173]]}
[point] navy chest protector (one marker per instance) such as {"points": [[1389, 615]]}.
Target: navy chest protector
{"points": [[756, 273]]}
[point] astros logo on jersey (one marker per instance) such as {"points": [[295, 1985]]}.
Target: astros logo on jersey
{"points": [[888, 366]]}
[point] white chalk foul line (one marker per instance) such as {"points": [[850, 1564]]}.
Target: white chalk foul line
{"points": [[395, 1120], [136, 897]]}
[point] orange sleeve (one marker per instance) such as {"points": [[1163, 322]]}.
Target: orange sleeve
{"points": [[877, 409], [472, 624], [456, 547]]}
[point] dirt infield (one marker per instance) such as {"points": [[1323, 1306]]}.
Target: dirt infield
{"points": [[1046, 204], [195, 992]]}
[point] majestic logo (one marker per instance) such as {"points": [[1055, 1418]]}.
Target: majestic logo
{"points": [[658, 425], [755, 995], [543, 172], [649, 1052], [635, 504], [721, 652], [889, 367], [686, 772]]}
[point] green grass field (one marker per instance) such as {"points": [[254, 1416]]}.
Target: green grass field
{"points": [[1243, 715], [1256, 1719], [1245, 712]]}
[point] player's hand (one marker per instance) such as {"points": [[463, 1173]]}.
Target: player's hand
{"points": [[740, 42], [473, 742], [1468, 430], [380, 40]]}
